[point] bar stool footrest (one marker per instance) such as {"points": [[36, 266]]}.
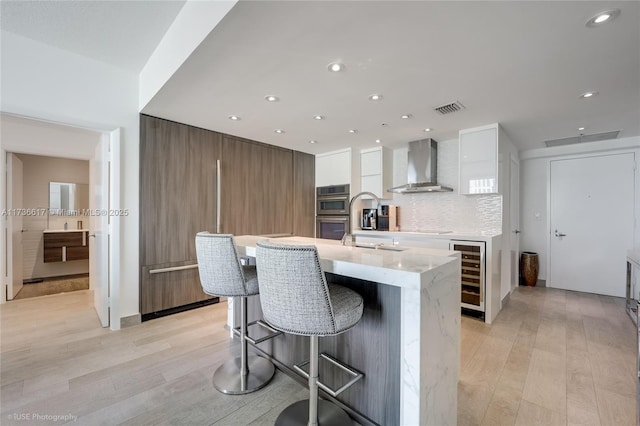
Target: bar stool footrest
{"points": [[273, 332], [355, 374]]}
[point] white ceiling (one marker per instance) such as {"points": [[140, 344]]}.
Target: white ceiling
{"points": [[521, 63], [121, 33]]}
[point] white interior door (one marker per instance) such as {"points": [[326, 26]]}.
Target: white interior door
{"points": [[14, 226], [592, 223], [99, 229], [514, 212]]}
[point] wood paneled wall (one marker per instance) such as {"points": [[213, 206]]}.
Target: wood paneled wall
{"points": [[304, 194], [264, 190]]}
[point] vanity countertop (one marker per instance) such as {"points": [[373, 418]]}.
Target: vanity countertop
{"points": [[52, 231]]}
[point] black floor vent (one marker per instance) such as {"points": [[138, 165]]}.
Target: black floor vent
{"points": [[171, 311]]}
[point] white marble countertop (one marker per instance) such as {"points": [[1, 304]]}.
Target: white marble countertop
{"points": [[417, 235], [428, 281], [634, 255], [408, 268], [53, 231]]}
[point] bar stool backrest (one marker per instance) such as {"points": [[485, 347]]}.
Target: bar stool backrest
{"points": [[293, 289], [219, 266]]}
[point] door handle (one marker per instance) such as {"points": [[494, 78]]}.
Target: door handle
{"points": [[558, 234], [517, 231]]}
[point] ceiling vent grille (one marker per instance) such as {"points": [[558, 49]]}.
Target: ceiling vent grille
{"points": [[449, 108], [583, 138]]}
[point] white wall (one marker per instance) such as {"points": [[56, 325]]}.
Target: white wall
{"points": [[534, 191], [38, 171], [194, 22], [48, 83]]}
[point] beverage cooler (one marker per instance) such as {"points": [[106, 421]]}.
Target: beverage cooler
{"points": [[472, 273]]}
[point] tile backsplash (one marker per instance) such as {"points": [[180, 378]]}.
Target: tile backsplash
{"points": [[444, 211]]}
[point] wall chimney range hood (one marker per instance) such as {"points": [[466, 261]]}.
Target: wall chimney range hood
{"points": [[422, 169]]}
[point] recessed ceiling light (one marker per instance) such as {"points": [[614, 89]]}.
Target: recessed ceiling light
{"points": [[602, 17], [312, 142], [375, 97], [378, 141], [352, 131], [234, 117], [318, 117], [271, 98], [406, 116], [580, 128], [336, 67], [586, 95], [279, 131], [428, 129]]}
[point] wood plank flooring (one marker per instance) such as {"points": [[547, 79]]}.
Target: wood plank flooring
{"points": [[551, 357]]}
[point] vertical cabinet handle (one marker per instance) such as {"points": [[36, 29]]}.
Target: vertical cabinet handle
{"points": [[218, 198]]}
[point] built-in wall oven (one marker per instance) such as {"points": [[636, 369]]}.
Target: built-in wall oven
{"points": [[472, 273], [332, 210], [331, 227], [332, 200]]}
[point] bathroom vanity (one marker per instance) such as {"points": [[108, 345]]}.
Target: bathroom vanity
{"points": [[64, 245]]}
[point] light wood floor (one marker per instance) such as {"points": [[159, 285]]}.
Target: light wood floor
{"points": [[551, 357]]}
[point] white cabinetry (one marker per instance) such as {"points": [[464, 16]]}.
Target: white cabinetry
{"points": [[432, 243], [335, 168], [479, 160], [376, 171]]}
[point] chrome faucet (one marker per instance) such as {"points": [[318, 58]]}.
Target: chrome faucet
{"points": [[349, 232]]}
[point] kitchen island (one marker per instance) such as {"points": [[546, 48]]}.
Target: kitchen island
{"points": [[408, 341]]}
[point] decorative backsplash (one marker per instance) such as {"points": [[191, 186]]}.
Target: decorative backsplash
{"points": [[444, 211]]}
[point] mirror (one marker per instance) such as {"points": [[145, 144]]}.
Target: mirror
{"points": [[68, 199]]}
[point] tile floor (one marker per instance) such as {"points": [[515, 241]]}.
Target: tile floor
{"points": [[54, 285]]}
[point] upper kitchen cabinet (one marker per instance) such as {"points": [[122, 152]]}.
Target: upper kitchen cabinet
{"points": [[479, 160], [338, 168], [376, 171]]}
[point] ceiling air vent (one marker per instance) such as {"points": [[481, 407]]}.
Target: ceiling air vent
{"points": [[449, 108], [583, 138]]}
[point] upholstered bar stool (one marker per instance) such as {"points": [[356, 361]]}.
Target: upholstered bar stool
{"points": [[296, 299], [221, 274]]}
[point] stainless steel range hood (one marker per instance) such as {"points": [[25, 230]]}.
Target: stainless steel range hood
{"points": [[422, 169]]}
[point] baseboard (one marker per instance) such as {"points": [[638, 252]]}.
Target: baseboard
{"points": [[505, 300], [130, 321]]}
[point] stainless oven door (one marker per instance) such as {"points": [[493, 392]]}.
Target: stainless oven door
{"points": [[333, 205], [331, 227]]}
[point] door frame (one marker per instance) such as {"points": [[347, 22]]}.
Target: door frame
{"points": [[14, 271], [115, 202], [636, 180], [514, 278]]}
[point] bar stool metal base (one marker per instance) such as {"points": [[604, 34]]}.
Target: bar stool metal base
{"points": [[329, 414], [227, 378]]}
